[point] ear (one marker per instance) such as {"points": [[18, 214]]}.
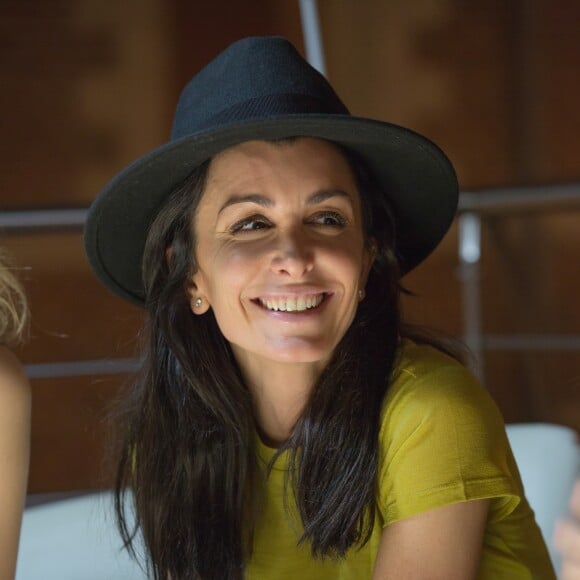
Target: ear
{"points": [[198, 302], [368, 259]]}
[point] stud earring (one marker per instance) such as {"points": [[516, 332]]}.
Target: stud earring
{"points": [[361, 295], [198, 302]]}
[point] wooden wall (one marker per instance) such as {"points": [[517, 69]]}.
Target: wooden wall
{"points": [[90, 86], [494, 84]]}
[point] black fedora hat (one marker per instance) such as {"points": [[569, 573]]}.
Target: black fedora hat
{"points": [[262, 88]]}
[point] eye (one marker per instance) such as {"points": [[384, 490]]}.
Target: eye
{"points": [[250, 224], [329, 218]]}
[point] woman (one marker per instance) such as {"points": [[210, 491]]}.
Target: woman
{"points": [[283, 425], [14, 419]]}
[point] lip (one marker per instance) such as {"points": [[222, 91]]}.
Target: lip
{"points": [[293, 302], [294, 294]]}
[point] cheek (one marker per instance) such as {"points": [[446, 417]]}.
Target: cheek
{"points": [[347, 260], [235, 262], [231, 269]]}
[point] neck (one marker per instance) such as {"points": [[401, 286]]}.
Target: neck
{"points": [[280, 392]]}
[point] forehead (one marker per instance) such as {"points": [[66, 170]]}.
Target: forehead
{"points": [[311, 163]]}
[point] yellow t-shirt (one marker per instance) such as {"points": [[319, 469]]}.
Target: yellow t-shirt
{"points": [[442, 440]]}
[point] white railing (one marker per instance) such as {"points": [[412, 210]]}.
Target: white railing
{"points": [[475, 207]]}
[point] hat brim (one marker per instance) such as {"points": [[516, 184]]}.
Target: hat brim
{"points": [[414, 174]]}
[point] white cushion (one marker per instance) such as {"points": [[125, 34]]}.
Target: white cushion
{"points": [[548, 459], [74, 539]]}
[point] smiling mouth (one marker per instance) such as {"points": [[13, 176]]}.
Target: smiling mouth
{"points": [[293, 303]]}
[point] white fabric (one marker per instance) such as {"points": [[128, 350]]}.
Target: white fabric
{"points": [[74, 539], [548, 457]]}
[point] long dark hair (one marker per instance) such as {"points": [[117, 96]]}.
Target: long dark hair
{"points": [[188, 447]]}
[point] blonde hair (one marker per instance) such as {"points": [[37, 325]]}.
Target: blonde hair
{"points": [[13, 304]]}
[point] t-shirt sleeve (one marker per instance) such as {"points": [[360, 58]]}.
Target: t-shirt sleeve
{"points": [[442, 441]]}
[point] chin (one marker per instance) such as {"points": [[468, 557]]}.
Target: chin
{"points": [[301, 352]]}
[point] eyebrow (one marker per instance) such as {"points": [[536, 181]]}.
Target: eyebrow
{"points": [[317, 197], [324, 194], [251, 198]]}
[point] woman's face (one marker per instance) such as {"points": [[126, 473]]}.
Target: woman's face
{"points": [[280, 249]]}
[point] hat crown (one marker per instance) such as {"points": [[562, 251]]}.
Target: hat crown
{"points": [[254, 78]]}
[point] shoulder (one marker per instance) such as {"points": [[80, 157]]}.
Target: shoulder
{"points": [[14, 386], [435, 405], [425, 379], [442, 438], [14, 455], [419, 360]]}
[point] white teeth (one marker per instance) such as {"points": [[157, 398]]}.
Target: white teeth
{"points": [[293, 303]]}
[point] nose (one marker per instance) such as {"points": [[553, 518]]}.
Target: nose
{"points": [[293, 255]]}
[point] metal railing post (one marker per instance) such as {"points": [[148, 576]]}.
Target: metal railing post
{"points": [[469, 273]]}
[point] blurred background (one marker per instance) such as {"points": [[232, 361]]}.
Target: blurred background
{"points": [[90, 85]]}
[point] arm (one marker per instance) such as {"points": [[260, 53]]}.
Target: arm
{"points": [[439, 544], [444, 461], [567, 539], [14, 455]]}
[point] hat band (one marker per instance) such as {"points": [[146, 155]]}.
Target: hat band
{"points": [[265, 107]]}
